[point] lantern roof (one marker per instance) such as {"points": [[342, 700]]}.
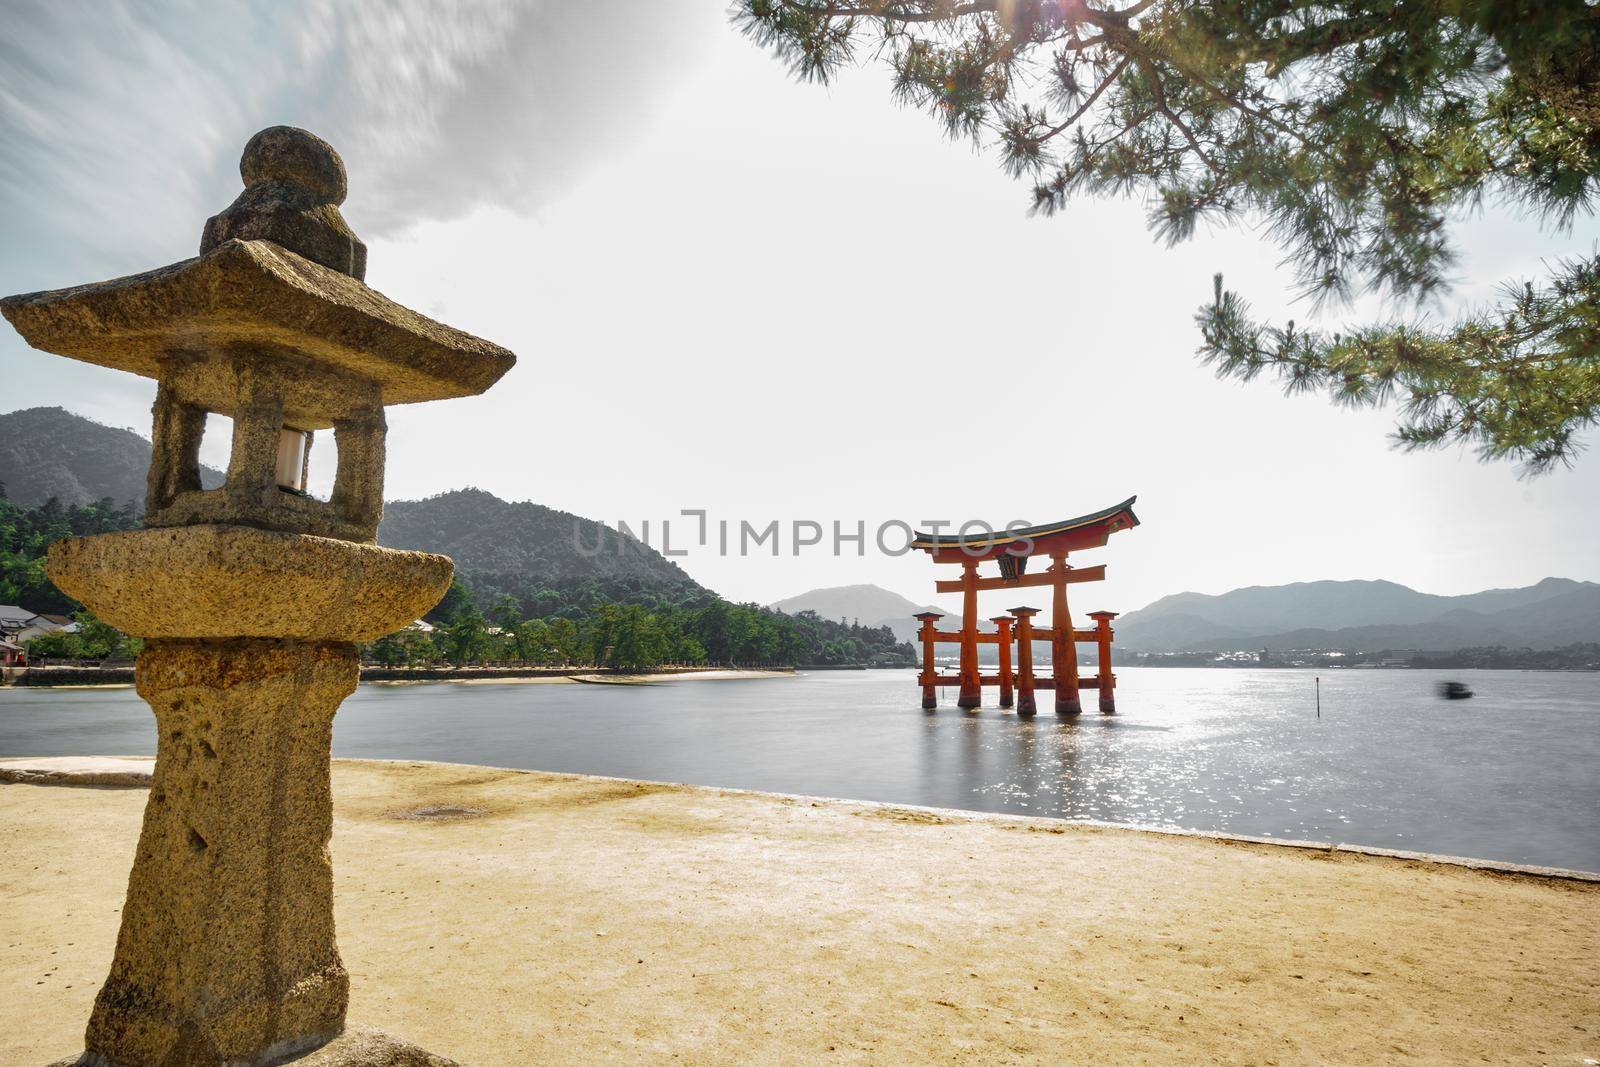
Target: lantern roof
{"points": [[279, 280], [257, 296]]}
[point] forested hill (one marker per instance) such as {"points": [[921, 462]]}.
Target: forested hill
{"points": [[548, 560], [619, 600], [50, 452], [1366, 616], [561, 588]]}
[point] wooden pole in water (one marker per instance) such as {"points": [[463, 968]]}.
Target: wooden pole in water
{"points": [[1319, 696]]}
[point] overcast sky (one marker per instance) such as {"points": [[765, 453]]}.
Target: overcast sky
{"points": [[731, 292]]}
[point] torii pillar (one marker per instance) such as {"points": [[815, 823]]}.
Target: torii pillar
{"points": [[1102, 638], [971, 682], [1025, 701], [930, 699], [1003, 626], [1063, 649]]}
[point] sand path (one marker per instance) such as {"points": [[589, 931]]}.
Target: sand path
{"points": [[530, 918]]}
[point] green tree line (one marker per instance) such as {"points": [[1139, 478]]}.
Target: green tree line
{"points": [[25, 535], [634, 636], [1584, 656], [576, 625]]}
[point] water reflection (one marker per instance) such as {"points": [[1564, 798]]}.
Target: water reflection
{"points": [[1507, 775]]}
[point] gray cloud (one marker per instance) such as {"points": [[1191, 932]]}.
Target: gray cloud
{"points": [[122, 123]]}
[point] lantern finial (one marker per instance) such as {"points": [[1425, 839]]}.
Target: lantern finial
{"points": [[294, 183]]}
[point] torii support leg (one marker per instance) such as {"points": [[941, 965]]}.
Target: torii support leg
{"points": [[1026, 707], [1108, 681], [1003, 624], [1063, 649], [971, 685], [930, 699]]}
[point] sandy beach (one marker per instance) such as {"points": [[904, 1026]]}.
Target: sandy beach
{"points": [[509, 917], [657, 678], [492, 676], [593, 677]]}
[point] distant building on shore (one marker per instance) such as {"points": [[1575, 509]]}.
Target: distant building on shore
{"points": [[45, 624], [1403, 657], [19, 625], [14, 618]]}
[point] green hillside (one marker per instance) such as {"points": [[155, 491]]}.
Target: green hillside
{"points": [[559, 587], [50, 452], [549, 561], [1365, 616]]}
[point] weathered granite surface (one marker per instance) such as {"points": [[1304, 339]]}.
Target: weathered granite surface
{"points": [[79, 770], [361, 1046], [234, 581], [226, 953], [255, 294], [294, 183], [250, 599], [358, 1046]]}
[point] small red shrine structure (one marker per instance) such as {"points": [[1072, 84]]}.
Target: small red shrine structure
{"points": [[1011, 550]]}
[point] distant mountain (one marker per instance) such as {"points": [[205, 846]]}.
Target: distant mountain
{"points": [[50, 452], [547, 559], [523, 549], [871, 605], [1365, 616]]}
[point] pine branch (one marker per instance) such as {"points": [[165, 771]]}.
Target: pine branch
{"points": [[1353, 130], [1520, 380]]}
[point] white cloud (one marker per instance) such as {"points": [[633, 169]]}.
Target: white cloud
{"points": [[122, 123]]}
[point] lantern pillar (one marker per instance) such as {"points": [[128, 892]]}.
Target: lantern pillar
{"points": [[227, 941], [360, 440], [175, 435]]}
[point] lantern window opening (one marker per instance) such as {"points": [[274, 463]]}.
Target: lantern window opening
{"points": [[216, 441], [322, 466], [294, 460]]}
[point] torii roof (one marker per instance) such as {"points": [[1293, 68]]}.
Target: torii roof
{"points": [[1067, 535]]}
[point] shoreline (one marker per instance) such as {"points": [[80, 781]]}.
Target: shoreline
{"points": [[122, 677], [649, 920], [11, 773]]}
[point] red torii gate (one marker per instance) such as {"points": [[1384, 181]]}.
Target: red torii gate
{"points": [[1012, 549]]}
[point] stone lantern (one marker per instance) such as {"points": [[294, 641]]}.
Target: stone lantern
{"points": [[250, 599]]}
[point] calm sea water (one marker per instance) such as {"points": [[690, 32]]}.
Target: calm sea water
{"points": [[1513, 774]]}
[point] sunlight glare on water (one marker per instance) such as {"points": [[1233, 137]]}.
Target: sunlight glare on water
{"points": [[1508, 775]]}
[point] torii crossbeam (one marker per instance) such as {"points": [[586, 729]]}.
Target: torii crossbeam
{"points": [[1011, 549]]}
